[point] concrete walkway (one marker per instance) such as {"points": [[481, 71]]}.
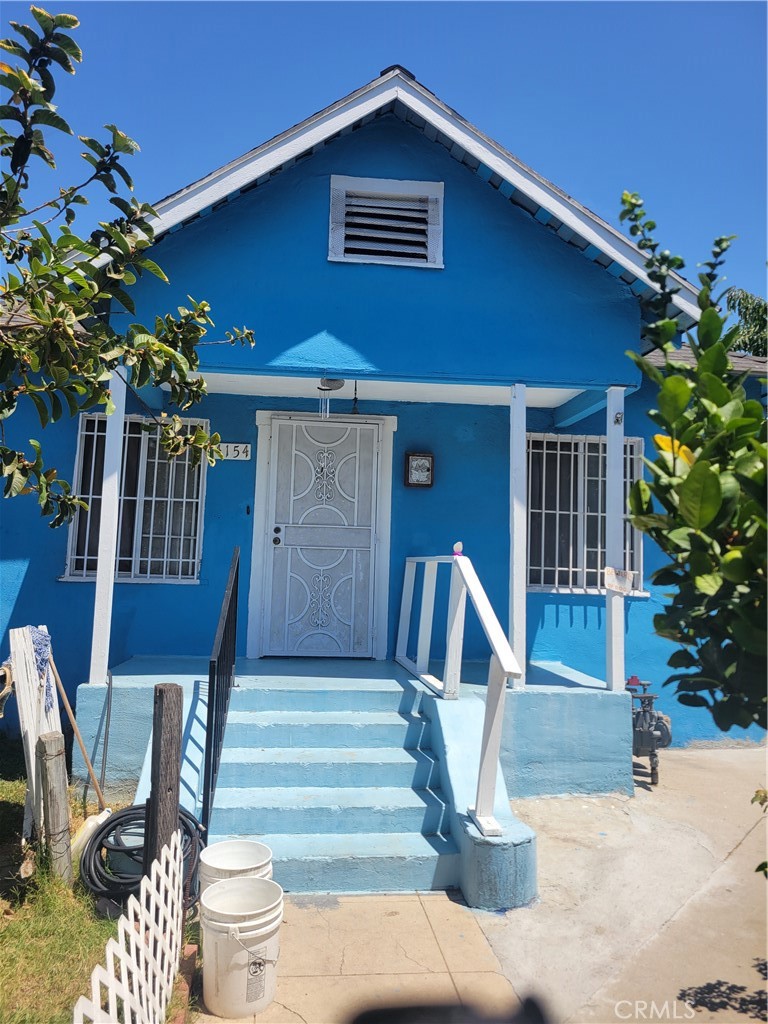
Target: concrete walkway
{"points": [[649, 910]]}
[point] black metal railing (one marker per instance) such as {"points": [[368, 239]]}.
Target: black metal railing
{"points": [[221, 678]]}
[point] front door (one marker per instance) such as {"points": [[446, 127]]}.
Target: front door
{"points": [[322, 531]]}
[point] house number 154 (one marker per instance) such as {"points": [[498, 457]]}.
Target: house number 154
{"points": [[235, 450]]}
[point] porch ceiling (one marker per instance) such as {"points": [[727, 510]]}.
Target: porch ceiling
{"points": [[385, 390]]}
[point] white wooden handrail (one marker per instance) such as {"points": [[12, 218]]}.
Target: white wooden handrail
{"points": [[503, 665]]}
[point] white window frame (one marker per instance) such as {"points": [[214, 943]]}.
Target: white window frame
{"points": [[633, 539], [432, 191], [86, 575]]}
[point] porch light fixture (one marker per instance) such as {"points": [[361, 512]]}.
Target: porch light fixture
{"points": [[325, 387], [419, 469]]}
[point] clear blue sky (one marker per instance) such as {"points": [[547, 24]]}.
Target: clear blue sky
{"points": [[668, 98]]}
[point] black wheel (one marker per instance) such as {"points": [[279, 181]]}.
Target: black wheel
{"points": [[654, 776]]}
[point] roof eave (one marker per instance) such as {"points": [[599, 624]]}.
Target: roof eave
{"points": [[388, 88]]}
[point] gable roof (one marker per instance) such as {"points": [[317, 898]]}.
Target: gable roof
{"points": [[397, 92]]}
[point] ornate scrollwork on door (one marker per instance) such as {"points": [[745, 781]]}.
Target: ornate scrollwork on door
{"points": [[325, 474], [320, 600]]}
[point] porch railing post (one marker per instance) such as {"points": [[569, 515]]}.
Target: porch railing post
{"points": [[406, 604], [493, 724], [424, 641], [109, 519], [518, 526], [454, 634], [614, 536]]}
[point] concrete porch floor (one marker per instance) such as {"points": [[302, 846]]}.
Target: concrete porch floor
{"points": [[651, 899], [154, 668]]}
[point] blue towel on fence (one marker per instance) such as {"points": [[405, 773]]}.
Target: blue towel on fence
{"points": [[41, 644]]}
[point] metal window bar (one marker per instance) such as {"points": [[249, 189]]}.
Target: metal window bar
{"points": [[145, 561], [579, 562], [221, 679]]}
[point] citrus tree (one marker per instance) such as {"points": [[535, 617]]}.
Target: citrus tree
{"points": [[705, 501], [64, 292]]}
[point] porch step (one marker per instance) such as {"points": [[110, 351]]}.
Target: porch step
{"points": [[302, 810], [344, 862], [327, 766], [254, 693], [325, 728]]}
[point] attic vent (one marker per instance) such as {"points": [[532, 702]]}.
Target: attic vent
{"points": [[376, 220]]}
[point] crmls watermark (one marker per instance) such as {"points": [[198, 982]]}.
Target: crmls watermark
{"points": [[642, 1009]]}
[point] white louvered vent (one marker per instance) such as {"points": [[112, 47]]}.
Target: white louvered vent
{"points": [[375, 220]]}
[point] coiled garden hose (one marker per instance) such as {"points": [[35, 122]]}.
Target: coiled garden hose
{"points": [[112, 862]]}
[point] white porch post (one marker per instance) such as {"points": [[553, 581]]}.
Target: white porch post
{"points": [[108, 522], [614, 536], [518, 525]]}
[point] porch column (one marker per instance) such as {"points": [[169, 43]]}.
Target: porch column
{"points": [[108, 523], [615, 511], [518, 525]]}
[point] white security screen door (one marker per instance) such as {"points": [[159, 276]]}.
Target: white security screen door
{"points": [[319, 562]]}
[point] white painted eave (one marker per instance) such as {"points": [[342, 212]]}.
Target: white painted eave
{"points": [[384, 391], [365, 102]]}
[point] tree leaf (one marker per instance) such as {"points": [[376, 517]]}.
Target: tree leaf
{"points": [[42, 408], [699, 495], [714, 360], [51, 119], [674, 396], [710, 328]]}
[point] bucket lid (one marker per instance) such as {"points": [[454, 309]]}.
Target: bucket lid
{"points": [[240, 899], [235, 855]]}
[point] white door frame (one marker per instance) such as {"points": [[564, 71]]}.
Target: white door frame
{"points": [[381, 544]]}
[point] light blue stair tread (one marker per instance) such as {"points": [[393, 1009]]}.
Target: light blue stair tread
{"points": [[315, 683], [321, 755], [338, 845], [319, 718], [324, 796]]}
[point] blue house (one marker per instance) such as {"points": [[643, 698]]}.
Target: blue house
{"points": [[440, 358]]}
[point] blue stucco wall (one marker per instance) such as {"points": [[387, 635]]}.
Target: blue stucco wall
{"points": [[571, 628], [513, 302]]}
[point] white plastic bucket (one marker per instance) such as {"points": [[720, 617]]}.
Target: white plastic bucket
{"points": [[234, 858], [240, 924]]}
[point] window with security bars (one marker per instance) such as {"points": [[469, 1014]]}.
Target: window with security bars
{"points": [[161, 504], [566, 511], [377, 220]]}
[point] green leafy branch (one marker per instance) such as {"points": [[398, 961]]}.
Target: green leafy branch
{"points": [[705, 501], [59, 300]]}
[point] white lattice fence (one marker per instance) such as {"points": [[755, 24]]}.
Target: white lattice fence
{"points": [[141, 964]]}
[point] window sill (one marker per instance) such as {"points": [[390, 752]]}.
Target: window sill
{"points": [[119, 579], [581, 591]]}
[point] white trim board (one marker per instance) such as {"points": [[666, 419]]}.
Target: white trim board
{"points": [[385, 390], [396, 86], [264, 483]]}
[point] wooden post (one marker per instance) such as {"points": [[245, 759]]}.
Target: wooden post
{"points": [[52, 773], [162, 818]]}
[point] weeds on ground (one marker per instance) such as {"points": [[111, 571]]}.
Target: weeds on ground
{"points": [[50, 937], [49, 944]]}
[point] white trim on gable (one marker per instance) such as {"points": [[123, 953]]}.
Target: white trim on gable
{"points": [[396, 86]]}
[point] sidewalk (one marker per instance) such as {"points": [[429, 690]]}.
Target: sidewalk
{"points": [[649, 909], [341, 955]]}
